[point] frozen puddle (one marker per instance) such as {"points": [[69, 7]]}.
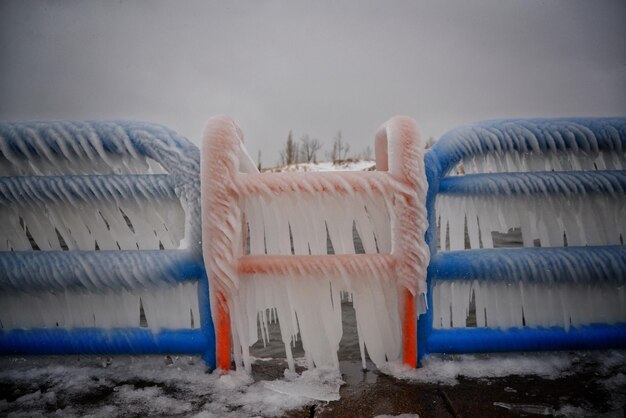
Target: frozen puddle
{"points": [[316, 384]]}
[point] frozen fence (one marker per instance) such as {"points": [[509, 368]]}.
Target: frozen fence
{"points": [[100, 240], [556, 188], [287, 272]]}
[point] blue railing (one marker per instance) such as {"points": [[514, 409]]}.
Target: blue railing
{"points": [[597, 147], [71, 163]]}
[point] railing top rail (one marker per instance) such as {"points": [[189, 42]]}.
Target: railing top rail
{"points": [[589, 135], [76, 139]]}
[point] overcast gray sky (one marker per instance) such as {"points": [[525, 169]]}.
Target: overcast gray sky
{"points": [[311, 66]]}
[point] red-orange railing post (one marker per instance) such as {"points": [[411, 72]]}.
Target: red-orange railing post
{"points": [[401, 180], [399, 149]]}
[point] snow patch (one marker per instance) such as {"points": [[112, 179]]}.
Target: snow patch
{"points": [[347, 165], [445, 369], [148, 385]]}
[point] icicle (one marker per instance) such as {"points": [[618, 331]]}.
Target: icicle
{"points": [[584, 219], [535, 161], [528, 304]]}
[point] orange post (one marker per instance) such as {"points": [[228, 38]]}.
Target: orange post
{"points": [[223, 334], [409, 331]]}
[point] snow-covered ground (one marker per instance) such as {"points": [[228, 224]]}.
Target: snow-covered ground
{"points": [[150, 385], [180, 386]]}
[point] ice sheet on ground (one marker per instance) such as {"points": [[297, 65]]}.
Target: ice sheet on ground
{"points": [[445, 369], [318, 384]]}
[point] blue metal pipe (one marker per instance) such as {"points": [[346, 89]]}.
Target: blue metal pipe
{"points": [[588, 135], [479, 340], [82, 139], [544, 182], [36, 190], [558, 264], [102, 341], [425, 322], [206, 321], [31, 271]]}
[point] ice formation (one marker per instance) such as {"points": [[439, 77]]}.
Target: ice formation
{"points": [[544, 220], [300, 257], [97, 226], [90, 212], [536, 145], [561, 185], [461, 304], [174, 307], [511, 162]]}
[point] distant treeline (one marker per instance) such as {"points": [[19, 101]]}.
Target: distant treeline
{"points": [[308, 149]]}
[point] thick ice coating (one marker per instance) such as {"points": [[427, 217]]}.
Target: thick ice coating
{"points": [[522, 145], [462, 303], [283, 246], [100, 222], [554, 184]]}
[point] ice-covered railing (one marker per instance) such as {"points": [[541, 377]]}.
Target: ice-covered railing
{"points": [[266, 240], [100, 239], [528, 145], [553, 183]]}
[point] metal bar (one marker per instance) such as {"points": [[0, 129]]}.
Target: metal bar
{"points": [[378, 265], [544, 182], [89, 270], [206, 322], [35, 190], [478, 340], [102, 341], [335, 182], [433, 176], [83, 139], [222, 326], [409, 329], [222, 243], [567, 264], [399, 149]]}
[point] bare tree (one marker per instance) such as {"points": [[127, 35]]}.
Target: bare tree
{"points": [[309, 148], [289, 154], [340, 148]]}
